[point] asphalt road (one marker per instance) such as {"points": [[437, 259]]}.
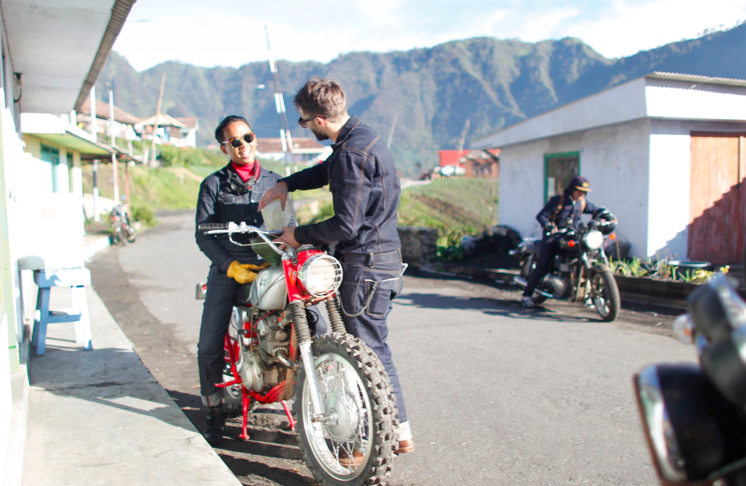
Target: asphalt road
{"points": [[496, 395]]}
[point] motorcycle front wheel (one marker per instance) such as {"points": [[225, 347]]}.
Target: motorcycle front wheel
{"points": [[357, 446], [131, 235], [122, 240], [605, 295]]}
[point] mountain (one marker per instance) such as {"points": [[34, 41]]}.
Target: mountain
{"points": [[490, 82]]}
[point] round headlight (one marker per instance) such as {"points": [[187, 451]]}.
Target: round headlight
{"points": [[320, 275], [692, 430], [593, 239]]}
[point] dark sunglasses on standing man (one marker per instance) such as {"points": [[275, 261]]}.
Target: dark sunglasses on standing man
{"points": [[236, 141]]}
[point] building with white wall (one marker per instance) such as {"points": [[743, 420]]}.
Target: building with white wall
{"points": [[52, 53], [664, 152]]}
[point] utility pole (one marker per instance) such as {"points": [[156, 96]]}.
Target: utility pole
{"points": [[393, 127], [463, 137], [114, 166], [92, 104], [155, 125], [285, 138]]}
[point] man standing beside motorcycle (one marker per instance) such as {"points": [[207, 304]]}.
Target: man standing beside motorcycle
{"points": [[561, 211], [364, 183], [231, 194]]}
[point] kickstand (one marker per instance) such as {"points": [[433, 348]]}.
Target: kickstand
{"points": [[246, 402], [289, 414]]}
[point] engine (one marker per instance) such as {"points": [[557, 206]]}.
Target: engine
{"points": [[558, 285], [258, 364]]}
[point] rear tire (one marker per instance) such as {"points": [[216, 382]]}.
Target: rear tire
{"points": [[605, 295], [353, 383], [122, 240]]}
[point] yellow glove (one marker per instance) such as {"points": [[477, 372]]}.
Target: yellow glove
{"points": [[244, 273]]}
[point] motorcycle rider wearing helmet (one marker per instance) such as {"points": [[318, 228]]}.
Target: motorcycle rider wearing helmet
{"points": [[561, 211], [231, 194]]}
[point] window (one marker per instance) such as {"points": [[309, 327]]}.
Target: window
{"points": [[559, 169]]}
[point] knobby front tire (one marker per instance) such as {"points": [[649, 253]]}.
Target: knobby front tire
{"points": [[355, 386]]}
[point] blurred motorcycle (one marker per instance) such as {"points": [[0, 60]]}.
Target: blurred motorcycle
{"points": [[693, 416], [120, 221], [580, 269]]}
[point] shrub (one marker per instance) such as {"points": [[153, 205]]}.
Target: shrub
{"points": [[145, 215]]}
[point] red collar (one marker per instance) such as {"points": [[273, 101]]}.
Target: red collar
{"points": [[245, 172]]}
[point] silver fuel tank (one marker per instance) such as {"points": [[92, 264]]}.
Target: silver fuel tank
{"points": [[269, 291]]}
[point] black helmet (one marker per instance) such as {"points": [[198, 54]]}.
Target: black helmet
{"points": [[605, 221]]}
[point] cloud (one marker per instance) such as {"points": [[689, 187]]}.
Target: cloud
{"points": [[231, 32]]}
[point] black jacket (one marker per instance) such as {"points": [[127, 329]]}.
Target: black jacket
{"points": [[365, 187], [219, 203], [568, 215]]}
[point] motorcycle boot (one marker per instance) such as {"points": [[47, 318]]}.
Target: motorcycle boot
{"points": [[215, 426]]}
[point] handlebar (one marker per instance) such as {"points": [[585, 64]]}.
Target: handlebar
{"points": [[232, 228]]}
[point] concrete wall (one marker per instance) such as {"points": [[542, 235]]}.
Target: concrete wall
{"points": [[615, 160], [692, 101]]}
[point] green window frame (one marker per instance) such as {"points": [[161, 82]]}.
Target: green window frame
{"points": [[559, 164]]}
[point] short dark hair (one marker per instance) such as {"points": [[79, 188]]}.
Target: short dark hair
{"points": [[227, 121], [321, 97]]}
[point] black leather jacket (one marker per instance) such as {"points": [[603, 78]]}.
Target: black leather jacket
{"points": [[220, 203], [568, 215], [365, 187]]}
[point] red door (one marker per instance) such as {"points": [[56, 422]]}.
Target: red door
{"points": [[716, 208]]}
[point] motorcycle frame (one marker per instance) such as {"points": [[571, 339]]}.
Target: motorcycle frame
{"points": [[291, 261]]}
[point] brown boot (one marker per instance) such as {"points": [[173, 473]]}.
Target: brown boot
{"points": [[405, 447], [347, 461]]}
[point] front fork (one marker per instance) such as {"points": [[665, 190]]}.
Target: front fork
{"points": [[298, 309]]}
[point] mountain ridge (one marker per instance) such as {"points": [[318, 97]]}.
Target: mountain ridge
{"points": [[432, 92]]}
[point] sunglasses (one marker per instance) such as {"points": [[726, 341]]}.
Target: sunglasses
{"points": [[302, 121], [236, 141]]}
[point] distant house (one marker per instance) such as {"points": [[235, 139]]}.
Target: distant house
{"points": [[469, 163], [664, 152], [304, 150], [124, 123], [169, 130], [188, 133]]}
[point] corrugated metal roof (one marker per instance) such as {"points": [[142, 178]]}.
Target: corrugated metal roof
{"points": [[693, 78], [102, 111]]}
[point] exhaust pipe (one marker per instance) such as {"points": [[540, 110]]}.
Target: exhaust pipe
{"points": [[520, 281]]}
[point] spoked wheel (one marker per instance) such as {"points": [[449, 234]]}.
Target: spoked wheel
{"points": [[605, 295], [357, 446]]}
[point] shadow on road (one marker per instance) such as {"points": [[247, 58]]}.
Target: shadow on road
{"points": [[493, 307]]}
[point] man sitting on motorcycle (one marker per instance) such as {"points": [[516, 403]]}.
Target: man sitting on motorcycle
{"points": [[231, 194], [560, 212]]}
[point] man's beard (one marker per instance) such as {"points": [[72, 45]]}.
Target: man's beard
{"points": [[319, 136]]}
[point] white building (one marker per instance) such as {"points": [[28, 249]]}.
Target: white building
{"points": [[52, 53], [664, 152]]}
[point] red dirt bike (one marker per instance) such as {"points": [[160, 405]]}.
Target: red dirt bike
{"points": [[343, 400]]}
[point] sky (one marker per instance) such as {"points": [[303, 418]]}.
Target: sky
{"points": [[231, 33]]}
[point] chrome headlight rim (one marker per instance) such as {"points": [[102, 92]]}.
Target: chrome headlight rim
{"points": [[593, 240], [658, 426], [306, 273]]}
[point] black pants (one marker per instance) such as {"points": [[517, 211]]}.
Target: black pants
{"points": [[546, 253], [360, 271], [216, 315]]}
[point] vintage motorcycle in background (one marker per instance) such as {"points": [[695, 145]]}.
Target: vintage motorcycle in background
{"points": [[694, 416], [343, 400], [580, 270], [120, 222]]}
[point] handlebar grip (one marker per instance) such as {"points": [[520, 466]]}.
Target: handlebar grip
{"points": [[211, 226]]}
